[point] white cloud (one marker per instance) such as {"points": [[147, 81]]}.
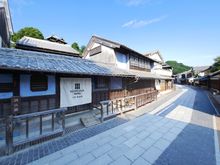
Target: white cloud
{"points": [[141, 23], [135, 2]]}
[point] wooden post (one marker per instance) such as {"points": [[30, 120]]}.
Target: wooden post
{"points": [[52, 121], [112, 107], [63, 121], [102, 114], [107, 108], [135, 102], [41, 125], [9, 135], [27, 128]]}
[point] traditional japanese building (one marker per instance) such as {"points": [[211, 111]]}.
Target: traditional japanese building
{"points": [[186, 77], [210, 81], [122, 57], [44, 81], [165, 81]]}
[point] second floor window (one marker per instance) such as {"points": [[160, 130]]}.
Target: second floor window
{"points": [[139, 63]]}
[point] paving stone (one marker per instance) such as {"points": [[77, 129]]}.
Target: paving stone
{"points": [[118, 151], [117, 133], [169, 136], [121, 161], [164, 130], [156, 135], [103, 160], [65, 159], [140, 161], [175, 130], [85, 159], [152, 154], [143, 134], [134, 153], [49, 158], [162, 144], [101, 150], [132, 142], [118, 141], [151, 129], [129, 128], [141, 128], [86, 149], [147, 143], [129, 135], [104, 140], [181, 125]]}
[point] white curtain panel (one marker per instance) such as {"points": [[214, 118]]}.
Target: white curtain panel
{"points": [[75, 91]]}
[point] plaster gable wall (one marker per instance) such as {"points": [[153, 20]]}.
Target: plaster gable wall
{"points": [[156, 57], [107, 54]]}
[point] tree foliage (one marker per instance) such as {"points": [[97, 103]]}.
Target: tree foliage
{"points": [[76, 46], [216, 65], [178, 67], [27, 31]]}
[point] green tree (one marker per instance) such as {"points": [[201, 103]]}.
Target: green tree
{"points": [[178, 67], [216, 65], [82, 49], [76, 46], [27, 31]]}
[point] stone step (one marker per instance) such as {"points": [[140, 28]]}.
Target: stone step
{"points": [[89, 120]]}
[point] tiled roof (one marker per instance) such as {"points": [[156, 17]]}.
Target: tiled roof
{"points": [[148, 75], [200, 68], [114, 45], [45, 44], [16, 59]]}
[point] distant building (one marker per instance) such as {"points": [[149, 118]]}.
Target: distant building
{"points": [[186, 77], [162, 69], [33, 44], [54, 38], [193, 75], [6, 29], [210, 81], [201, 71]]}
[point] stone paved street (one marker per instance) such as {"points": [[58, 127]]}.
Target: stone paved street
{"points": [[182, 132]]}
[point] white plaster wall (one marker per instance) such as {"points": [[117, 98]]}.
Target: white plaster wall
{"points": [[158, 69], [106, 56], [156, 57]]}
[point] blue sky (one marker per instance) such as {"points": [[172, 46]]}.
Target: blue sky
{"points": [[184, 30]]}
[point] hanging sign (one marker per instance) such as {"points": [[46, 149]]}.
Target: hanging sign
{"points": [[75, 91]]}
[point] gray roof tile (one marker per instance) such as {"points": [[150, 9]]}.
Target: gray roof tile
{"points": [[45, 44], [15, 59]]}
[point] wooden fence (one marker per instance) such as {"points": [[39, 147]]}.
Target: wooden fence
{"points": [[32, 125], [121, 105]]}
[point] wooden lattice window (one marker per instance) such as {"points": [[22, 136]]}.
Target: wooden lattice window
{"points": [[101, 82], [39, 82], [6, 87]]}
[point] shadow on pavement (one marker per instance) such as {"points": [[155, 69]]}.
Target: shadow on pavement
{"points": [[194, 145]]}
